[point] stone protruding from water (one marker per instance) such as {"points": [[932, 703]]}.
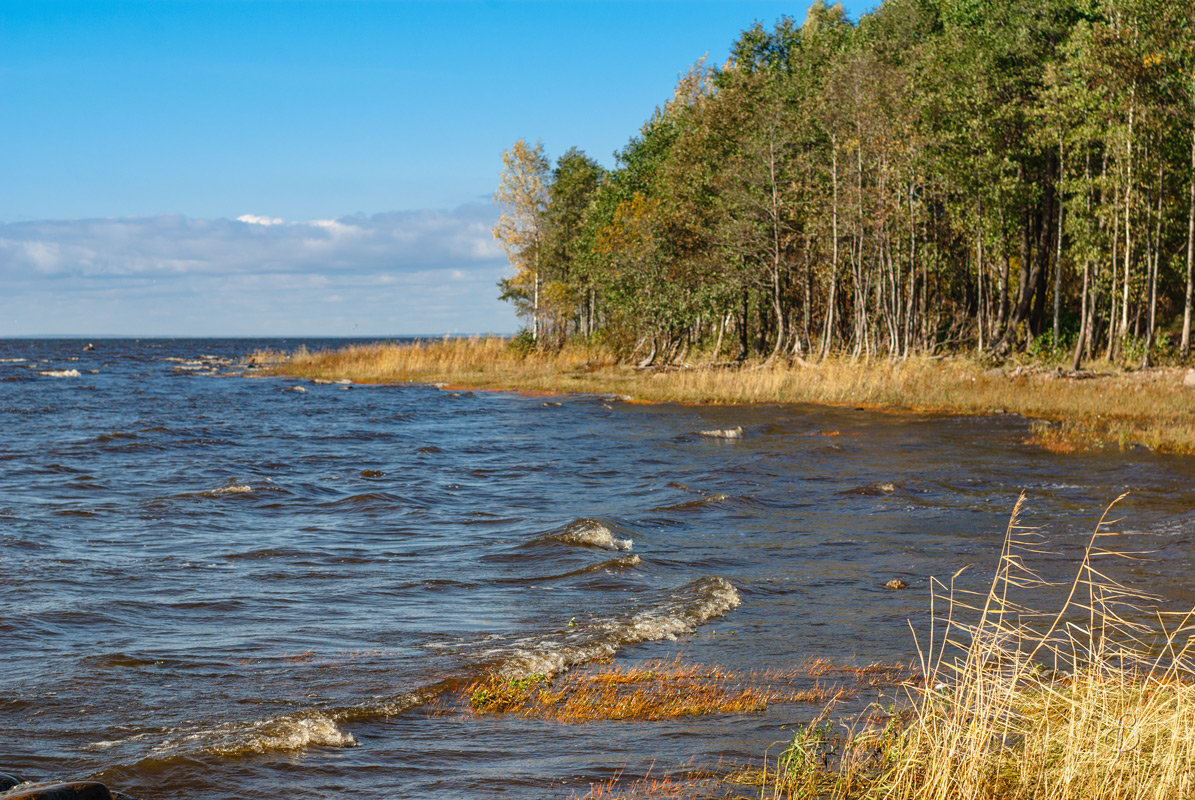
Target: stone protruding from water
{"points": [[896, 583]]}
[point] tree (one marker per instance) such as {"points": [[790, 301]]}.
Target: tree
{"points": [[569, 293], [523, 194]]}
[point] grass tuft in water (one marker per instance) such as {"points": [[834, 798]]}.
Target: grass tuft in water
{"points": [[657, 690]]}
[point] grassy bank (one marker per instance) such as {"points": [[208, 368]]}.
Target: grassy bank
{"points": [[1102, 407]]}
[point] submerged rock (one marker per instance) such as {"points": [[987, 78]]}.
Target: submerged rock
{"points": [[896, 583], [8, 781]]}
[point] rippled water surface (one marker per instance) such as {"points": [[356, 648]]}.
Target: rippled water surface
{"points": [[225, 587]]}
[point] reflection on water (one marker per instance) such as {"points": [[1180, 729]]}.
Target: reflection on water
{"points": [[215, 587]]}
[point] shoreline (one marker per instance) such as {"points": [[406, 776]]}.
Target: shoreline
{"points": [[1071, 412]]}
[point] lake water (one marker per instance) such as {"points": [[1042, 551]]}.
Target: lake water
{"points": [[222, 587]]}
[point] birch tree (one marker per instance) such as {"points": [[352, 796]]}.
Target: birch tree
{"points": [[523, 195]]}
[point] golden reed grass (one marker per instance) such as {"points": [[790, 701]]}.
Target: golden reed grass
{"points": [[1095, 701], [1109, 408]]}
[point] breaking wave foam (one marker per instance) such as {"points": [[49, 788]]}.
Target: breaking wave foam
{"points": [[677, 613], [232, 488], [591, 533], [723, 433], [297, 730], [289, 732]]}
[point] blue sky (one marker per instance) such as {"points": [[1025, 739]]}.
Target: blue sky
{"points": [[303, 168]]}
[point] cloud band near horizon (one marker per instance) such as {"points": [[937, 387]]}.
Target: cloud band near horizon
{"points": [[386, 274]]}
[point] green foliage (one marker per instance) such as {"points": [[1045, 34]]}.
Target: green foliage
{"points": [[917, 181], [498, 694], [522, 343]]}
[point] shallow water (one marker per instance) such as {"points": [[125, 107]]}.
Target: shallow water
{"points": [[220, 587]]}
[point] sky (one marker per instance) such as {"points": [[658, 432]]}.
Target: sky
{"points": [[300, 168]]}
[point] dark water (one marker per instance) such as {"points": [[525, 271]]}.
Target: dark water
{"points": [[220, 587]]}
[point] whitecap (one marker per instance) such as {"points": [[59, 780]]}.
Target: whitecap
{"points": [[676, 614], [723, 433], [587, 532], [232, 488]]}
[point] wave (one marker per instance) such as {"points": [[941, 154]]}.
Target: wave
{"points": [[59, 373], [872, 490], [289, 732], [678, 613], [723, 433], [712, 499], [297, 730], [229, 488], [587, 532], [671, 615], [610, 565]]}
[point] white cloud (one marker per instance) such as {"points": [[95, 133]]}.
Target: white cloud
{"points": [[253, 219], [398, 272], [171, 244]]}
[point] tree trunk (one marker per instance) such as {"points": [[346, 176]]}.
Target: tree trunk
{"points": [[1128, 230], [1185, 347], [979, 291], [1058, 253], [721, 329], [828, 330], [912, 292], [1150, 323], [1081, 339]]}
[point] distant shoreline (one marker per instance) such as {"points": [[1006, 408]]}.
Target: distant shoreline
{"points": [[1105, 407]]}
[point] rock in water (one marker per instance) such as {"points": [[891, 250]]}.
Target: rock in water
{"points": [[75, 790], [896, 583]]}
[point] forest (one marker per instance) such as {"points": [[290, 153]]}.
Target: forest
{"points": [[941, 176]]}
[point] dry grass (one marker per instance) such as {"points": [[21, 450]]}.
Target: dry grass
{"points": [[658, 690], [1092, 702], [1109, 408]]}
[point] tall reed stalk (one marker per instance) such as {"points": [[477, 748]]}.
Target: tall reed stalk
{"points": [[1093, 701]]}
